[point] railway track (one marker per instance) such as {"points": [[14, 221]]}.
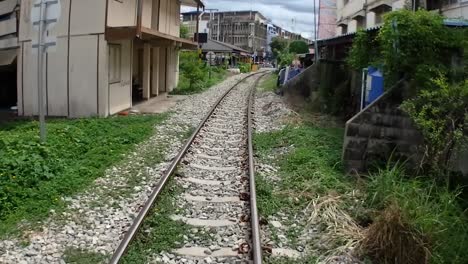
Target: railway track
{"points": [[216, 169]]}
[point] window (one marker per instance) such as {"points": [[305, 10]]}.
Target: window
{"points": [[115, 56], [344, 29], [379, 18]]}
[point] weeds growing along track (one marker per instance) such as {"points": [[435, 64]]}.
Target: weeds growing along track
{"points": [[384, 217]]}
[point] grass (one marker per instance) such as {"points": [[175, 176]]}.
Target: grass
{"points": [[311, 167], [268, 83], [159, 232], [431, 210], [285, 260], [35, 176], [217, 76], [79, 256], [311, 177]]}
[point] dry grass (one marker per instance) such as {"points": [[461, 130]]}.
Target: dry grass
{"points": [[390, 239], [342, 234]]}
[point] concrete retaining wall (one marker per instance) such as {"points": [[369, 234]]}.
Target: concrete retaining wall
{"points": [[305, 84], [380, 132]]}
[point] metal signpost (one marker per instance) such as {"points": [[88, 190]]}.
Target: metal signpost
{"points": [[210, 57], [44, 16]]}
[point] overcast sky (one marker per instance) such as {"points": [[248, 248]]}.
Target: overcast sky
{"points": [[293, 15]]}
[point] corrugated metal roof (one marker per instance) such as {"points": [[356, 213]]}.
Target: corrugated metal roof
{"points": [[213, 45], [450, 22], [447, 22]]}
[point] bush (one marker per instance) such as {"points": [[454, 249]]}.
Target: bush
{"points": [[440, 111], [430, 213], [245, 67], [195, 75]]}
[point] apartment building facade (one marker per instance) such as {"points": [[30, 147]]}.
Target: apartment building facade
{"points": [[110, 54], [356, 14]]}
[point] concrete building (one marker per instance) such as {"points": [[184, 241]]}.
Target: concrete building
{"points": [[190, 21], [327, 19], [355, 14], [9, 13], [225, 54], [110, 54], [245, 29]]}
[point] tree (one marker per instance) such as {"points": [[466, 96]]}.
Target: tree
{"points": [[191, 66], [298, 47], [184, 31], [278, 45], [285, 58]]}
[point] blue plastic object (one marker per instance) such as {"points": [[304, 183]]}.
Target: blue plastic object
{"points": [[375, 85]]}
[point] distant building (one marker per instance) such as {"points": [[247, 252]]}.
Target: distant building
{"points": [[327, 19], [245, 29], [189, 20], [272, 32], [249, 30], [357, 14]]}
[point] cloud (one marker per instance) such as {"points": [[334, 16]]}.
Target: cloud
{"points": [[293, 15]]}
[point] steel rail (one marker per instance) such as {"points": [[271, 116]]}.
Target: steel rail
{"points": [[254, 219], [132, 231]]}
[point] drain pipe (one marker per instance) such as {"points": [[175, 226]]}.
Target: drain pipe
{"points": [[363, 87]]}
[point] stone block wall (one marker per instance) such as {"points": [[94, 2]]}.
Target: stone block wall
{"points": [[304, 84], [380, 132]]}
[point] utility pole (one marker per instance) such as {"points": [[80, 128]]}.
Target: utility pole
{"points": [[40, 72], [316, 55], [44, 16]]}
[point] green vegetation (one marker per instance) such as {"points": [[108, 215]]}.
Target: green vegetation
{"points": [[159, 232], [245, 67], [284, 52], [278, 45], [195, 75], [268, 83], [440, 111], [184, 31], [36, 176], [311, 167], [418, 47], [431, 213], [78, 256], [298, 47], [395, 211]]}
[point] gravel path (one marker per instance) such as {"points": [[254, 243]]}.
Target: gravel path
{"points": [[95, 220], [214, 176]]}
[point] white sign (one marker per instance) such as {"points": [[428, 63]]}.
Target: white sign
{"points": [[211, 56]]}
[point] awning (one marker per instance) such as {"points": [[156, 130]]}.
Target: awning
{"points": [[382, 6], [342, 23], [7, 6], [7, 57], [122, 33], [359, 14], [193, 3], [151, 34]]}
